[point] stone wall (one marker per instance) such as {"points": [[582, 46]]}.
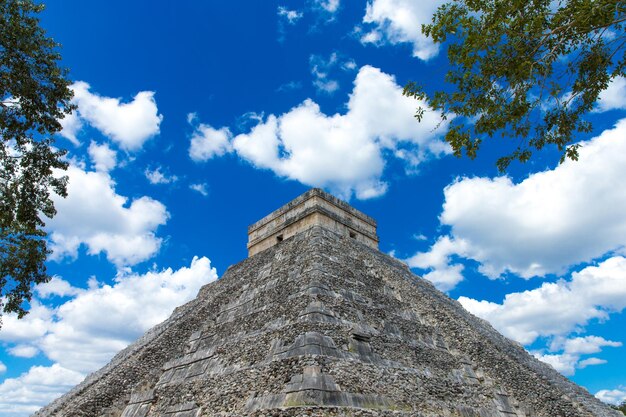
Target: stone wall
{"points": [[313, 208]]}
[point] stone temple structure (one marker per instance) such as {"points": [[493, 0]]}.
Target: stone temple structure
{"points": [[318, 322]]}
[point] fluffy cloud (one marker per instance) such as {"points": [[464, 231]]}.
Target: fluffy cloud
{"points": [[201, 188], [133, 304], [343, 152], [319, 70], [40, 385], [560, 307], [613, 396], [77, 338], [291, 16], [128, 124], [23, 351], [441, 272], [286, 18], [56, 287], [582, 345], [556, 309], [549, 221], [591, 361], [564, 363], [572, 349], [156, 176], [400, 21], [95, 215], [32, 326], [614, 97], [207, 142], [102, 156], [71, 124], [321, 67], [330, 6]]}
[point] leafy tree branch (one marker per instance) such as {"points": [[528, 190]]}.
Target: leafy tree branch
{"points": [[528, 71], [34, 96]]}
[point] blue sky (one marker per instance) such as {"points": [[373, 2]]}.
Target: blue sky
{"points": [[196, 119]]}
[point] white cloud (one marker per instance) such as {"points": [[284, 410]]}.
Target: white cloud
{"points": [[102, 157], [202, 188], [71, 125], [28, 328], [344, 152], [56, 287], [129, 124], [41, 384], [400, 21], [325, 85], [572, 349], [613, 396], [292, 16], [582, 345], [95, 215], [590, 362], [23, 351], [560, 307], [319, 69], [79, 340], [374, 37], [207, 142], [614, 97], [330, 6], [349, 65], [133, 304], [567, 363], [286, 18], [555, 310], [437, 261], [155, 176], [548, 222], [3, 368], [563, 363], [192, 117]]}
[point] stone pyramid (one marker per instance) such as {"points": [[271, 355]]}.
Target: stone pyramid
{"points": [[318, 322]]}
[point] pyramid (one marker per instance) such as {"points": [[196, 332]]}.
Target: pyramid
{"points": [[318, 322]]}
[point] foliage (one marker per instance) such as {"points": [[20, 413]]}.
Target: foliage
{"points": [[34, 95], [527, 70]]}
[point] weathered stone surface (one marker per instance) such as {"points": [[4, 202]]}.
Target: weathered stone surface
{"points": [[323, 325], [313, 208]]}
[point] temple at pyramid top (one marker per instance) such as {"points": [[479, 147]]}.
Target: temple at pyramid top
{"points": [[313, 208]]}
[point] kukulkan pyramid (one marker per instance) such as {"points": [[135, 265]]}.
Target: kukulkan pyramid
{"points": [[318, 322]]}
